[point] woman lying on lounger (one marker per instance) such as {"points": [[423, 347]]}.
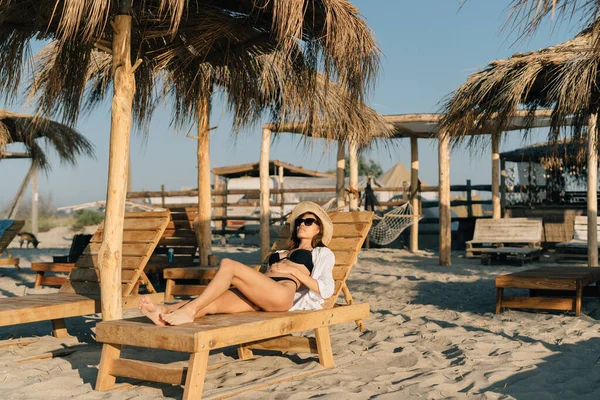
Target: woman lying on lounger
{"points": [[299, 278]]}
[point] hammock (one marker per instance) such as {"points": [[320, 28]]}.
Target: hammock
{"points": [[392, 224]]}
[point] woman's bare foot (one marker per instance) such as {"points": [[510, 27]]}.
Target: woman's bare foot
{"points": [[178, 317], [151, 310]]}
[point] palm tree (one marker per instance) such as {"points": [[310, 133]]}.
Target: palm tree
{"points": [[196, 46]]}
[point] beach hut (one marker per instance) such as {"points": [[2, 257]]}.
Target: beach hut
{"points": [[562, 78]]}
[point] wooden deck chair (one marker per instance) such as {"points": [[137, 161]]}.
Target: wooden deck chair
{"points": [[7, 237], [80, 294], [247, 331]]}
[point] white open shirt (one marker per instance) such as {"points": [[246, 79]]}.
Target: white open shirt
{"points": [[323, 262]]}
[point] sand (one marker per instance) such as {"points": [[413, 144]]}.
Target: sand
{"points": [[432, 335]]}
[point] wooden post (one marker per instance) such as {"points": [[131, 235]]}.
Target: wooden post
{"points": [[340, 181], [502, 187], [219, 211], [281, 196], [353, 153], [162, 195], [109, 254], [14, 205], [496, 176], [592, 187], [469, 199], [202, 222], [34, 202], [265, 194], [414, 187], [444, 200]]}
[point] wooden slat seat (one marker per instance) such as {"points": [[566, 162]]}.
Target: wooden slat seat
{"points": [[7, 237], [80, 293], [515, 232], [576, 248], [256, 330]]}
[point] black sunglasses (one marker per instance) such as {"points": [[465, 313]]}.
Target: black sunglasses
{"points": [[307, 221]]}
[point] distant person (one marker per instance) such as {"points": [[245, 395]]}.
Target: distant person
{"points": [[27, 237], [299, 278]]}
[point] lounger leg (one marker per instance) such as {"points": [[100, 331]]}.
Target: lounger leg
{"points": [[499, 294], [578, 299], [38, 279], [244, 353], [110, 353], [324, 347], [350, 301], [60, 328], [194, 380], [169, 290]]}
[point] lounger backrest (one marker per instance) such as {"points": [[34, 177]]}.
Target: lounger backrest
{"points": [[350, 230], [141, 232], [508, 230], [10, 233], [581, 228], [178, 236]]}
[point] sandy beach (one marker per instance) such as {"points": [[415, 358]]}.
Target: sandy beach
{"points": [[432, 334]]}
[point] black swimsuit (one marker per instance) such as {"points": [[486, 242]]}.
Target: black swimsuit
{"points": [[300, 256]]}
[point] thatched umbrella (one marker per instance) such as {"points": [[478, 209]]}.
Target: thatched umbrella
{"points": [[30, 131], [176, 35], [563, 78]]}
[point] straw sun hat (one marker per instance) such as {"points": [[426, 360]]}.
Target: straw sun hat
{"points": [[314, 208]]}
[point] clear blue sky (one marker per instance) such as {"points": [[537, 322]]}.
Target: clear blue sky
{"points": [[429, 48]]}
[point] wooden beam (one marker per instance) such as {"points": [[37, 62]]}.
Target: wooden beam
{"points": [[281, 195], [445, 233], [353, 156], [14, 205], [121, 114], [414, 187], [265, 194], [496, 209], [202, 222], [592, 187], [502, 187], [340, 181]]}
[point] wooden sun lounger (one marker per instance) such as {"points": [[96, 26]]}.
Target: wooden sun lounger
{"points": [[80, 294], [506, 232], [5, 240], [576, 248], [255, 330]]}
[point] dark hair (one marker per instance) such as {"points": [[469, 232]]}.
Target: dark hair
{"points": [[317, 240]]}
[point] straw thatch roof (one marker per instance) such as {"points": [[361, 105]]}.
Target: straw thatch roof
{"points": [[264, 54], [29, 130], [567, 153], [563, 78]]}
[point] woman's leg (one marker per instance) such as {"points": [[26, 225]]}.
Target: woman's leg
{"points": [[261, 290]]}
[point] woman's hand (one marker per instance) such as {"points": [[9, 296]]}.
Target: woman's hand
{"points": [[284, 267]]}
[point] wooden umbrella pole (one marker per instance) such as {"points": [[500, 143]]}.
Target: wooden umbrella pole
{"points": [[592, 184], [414, 201], [265, 194], [203, 230], [496, 176], [109, 255], [353, 159], [444, 200], [340, 181]]}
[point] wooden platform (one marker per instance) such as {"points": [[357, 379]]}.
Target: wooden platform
{"points": [[518, 254], [512, 232], [557, 278], [264, 330]]}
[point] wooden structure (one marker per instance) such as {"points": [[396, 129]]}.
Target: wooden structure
{"points": [[576, 248], [516, 232], [571, 279], [349, 232], [60, 264], [7, 237], [518, 254], [80, 294], [255, 330]]}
